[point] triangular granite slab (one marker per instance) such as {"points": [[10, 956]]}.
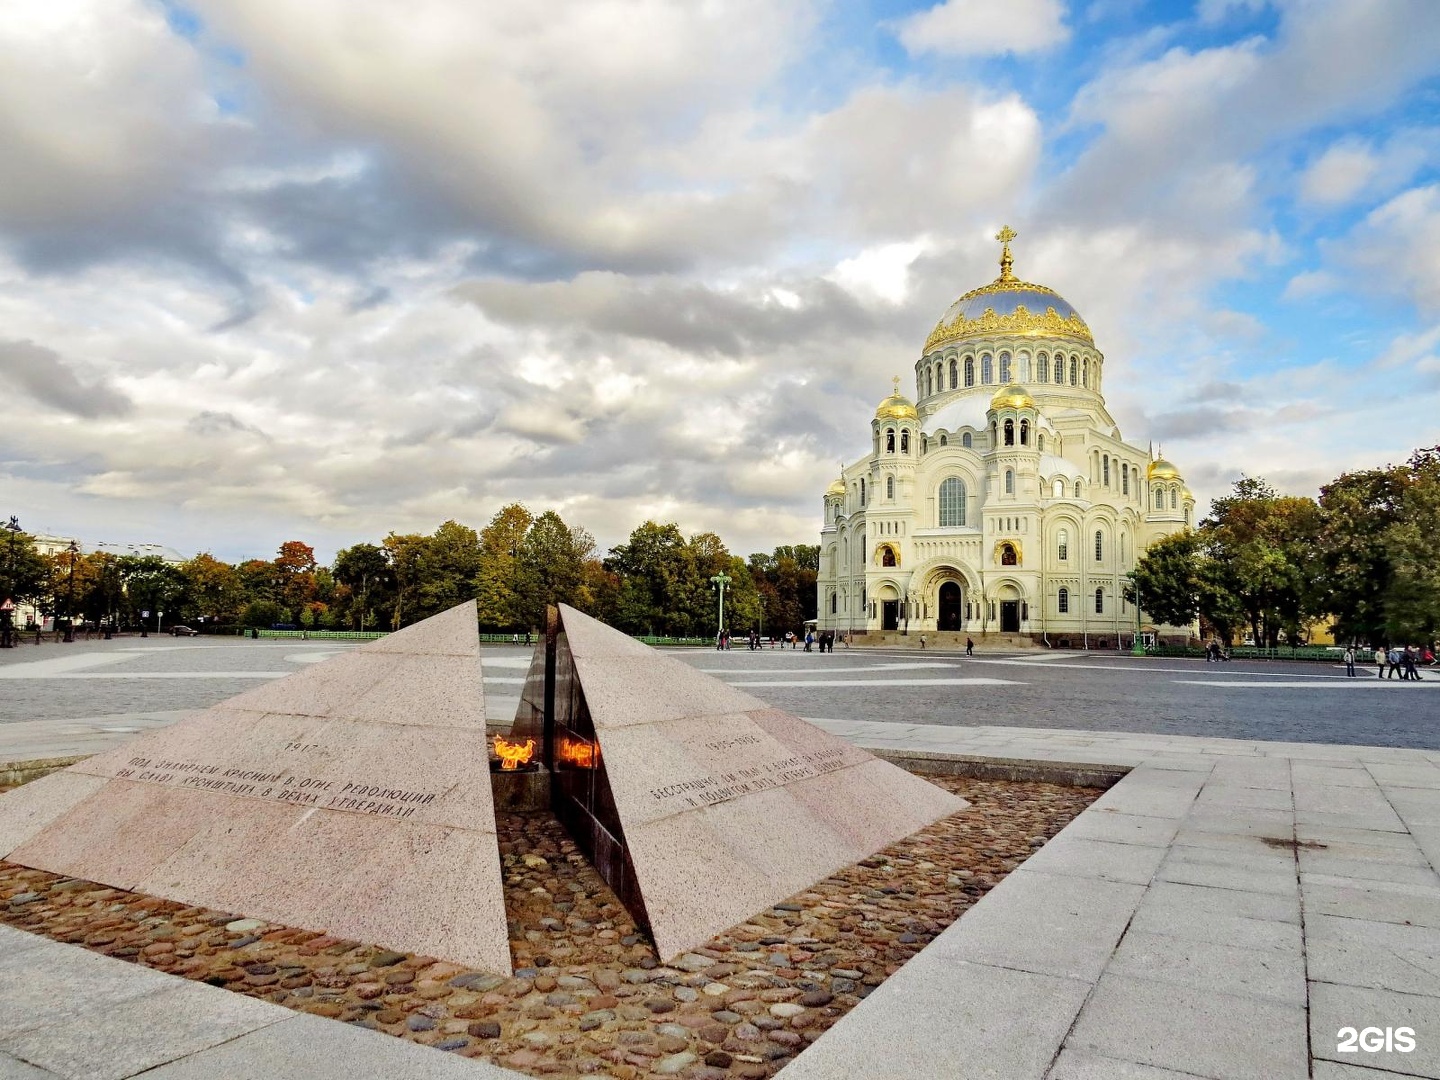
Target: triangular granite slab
{"points": [[352, 797], [702, 804]]}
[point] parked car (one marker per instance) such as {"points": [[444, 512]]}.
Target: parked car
{"points": [[183, 631]]}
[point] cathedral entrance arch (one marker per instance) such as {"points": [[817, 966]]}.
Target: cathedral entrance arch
{"points": [[889, 614], [948, 615], [1009, 616]]}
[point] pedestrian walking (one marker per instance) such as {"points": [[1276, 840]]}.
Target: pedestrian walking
{"points": [[1408, 660], [1350, 661], [922, 641], [1379, 663], [969, 647], [1392, 660]]}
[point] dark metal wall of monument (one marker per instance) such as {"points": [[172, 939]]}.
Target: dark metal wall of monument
{"points": [[579, 787]]}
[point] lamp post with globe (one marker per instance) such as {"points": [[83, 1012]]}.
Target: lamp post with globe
{"points": [[73, 551], [720, 580]]}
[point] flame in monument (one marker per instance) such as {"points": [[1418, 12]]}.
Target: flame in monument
{"points": [[514, 754], [578, 753]]}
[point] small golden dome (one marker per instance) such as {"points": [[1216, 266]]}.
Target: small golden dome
{"points": [[1012, 397], [1160, 469], [837, 488], [897, 406], [1187, 495]]}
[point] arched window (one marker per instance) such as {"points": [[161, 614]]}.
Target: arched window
{"points": [[1174, 498], [1009, 432], [1099, 546], [1106, 462], [1077, 489], [862, 491], [1124, 479], [986, 371], [929, 382], [1008, 556], [1042, 370], [1040, 441], [954, 375], [1009, 482], [966, 440], [1064, 601], [952, 502], [1059, 369], [969, 371], [1004, 368], [1024, 432], [1059, 488], [890, 489], [924, 446], [889, 440], [1085, 373], [1062, 545], [1024, 367], [1074, 370], [994, 434], [1159, 498], [944, 441], [905, 441], [1099, 601]]}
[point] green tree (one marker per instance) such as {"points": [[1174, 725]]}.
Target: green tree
{"points": [[365, 583], [1170, 579], [652, 571], [213, 589], [497, 577], [406, 553], [1263, 550], [550, 567], [24, 572], [447, 568], [151, 584]]}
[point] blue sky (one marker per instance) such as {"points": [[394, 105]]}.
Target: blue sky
{"points": [[273, 271]]}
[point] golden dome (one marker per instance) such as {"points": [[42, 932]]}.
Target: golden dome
{"points": [[897, 406], [837, 488], [1009, 306], [1012, 397], [1160, 469]]}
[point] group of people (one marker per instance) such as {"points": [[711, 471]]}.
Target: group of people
{"points": [[824, 640], [1214, 653], [1406, 661]]}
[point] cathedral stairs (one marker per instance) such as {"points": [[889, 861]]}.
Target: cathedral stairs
{"points": [[947, 640]]}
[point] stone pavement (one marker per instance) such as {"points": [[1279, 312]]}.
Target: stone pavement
{"points": [[1224, 911]]}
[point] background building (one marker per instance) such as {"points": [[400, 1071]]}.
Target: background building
{"points": [[1003, 500]]}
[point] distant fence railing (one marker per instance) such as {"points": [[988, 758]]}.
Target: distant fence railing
{"points": [[489, 639], [1254, 652]]}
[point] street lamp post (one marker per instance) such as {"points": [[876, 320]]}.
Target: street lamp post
{"points": [[720, 580], [1138, 648], [70, 595]]}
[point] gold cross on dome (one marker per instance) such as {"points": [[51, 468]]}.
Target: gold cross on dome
{"points": [[896, 382], [1005, 235]]}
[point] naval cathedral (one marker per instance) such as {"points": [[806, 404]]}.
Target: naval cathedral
{"points": [[1003, 499]]}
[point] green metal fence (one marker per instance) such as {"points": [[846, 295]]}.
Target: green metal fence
{"points": [[1254, 652]]}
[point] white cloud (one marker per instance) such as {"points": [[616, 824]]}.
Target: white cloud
{"points": [[985, 27], [102, 106], [1338, 175], [879, 273]]}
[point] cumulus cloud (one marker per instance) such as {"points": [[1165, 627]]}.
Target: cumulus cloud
{"points": [[103, 106], [43, 376], [985, 27]]}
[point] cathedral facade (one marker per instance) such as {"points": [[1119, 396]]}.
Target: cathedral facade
{"points": [[1003, 499]]}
